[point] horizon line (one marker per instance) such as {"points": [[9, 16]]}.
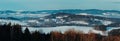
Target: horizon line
{"points": [[59, 9]]}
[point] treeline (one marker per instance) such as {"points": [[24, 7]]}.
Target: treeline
{"points": [[10, 32]]}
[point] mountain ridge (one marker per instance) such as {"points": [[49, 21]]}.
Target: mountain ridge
{"points": [[61, 10]]}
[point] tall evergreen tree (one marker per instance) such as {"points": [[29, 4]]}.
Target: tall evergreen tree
{"points": [[27, 35]]}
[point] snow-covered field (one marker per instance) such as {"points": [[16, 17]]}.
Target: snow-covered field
{"points": [[59, 28], [6, 21], [63, 29]]}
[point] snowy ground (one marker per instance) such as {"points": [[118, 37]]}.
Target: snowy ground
{"points": [[63, 29], [60, 28]]}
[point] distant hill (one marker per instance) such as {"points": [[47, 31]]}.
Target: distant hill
{"points": [[68, 17]]}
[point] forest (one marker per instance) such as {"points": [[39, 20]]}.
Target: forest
{"points": [[10, 32]]}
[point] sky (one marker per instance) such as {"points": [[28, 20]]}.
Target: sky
{"points": [[59, 4]]}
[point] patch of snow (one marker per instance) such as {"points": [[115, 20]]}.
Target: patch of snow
{"points": [[80, 22], [104, 33], [33, 21], [96, 19], [46, 20], [110, 15], [105, 14], [106, 22], [112, 28], [60, 21], [59, 17], [65, 16], [83, 14]]}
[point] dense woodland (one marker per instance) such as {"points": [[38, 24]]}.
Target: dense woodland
{"points": [[10, 32]]}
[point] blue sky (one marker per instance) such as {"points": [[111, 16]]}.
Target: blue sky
{"points": [[59, 4]]}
